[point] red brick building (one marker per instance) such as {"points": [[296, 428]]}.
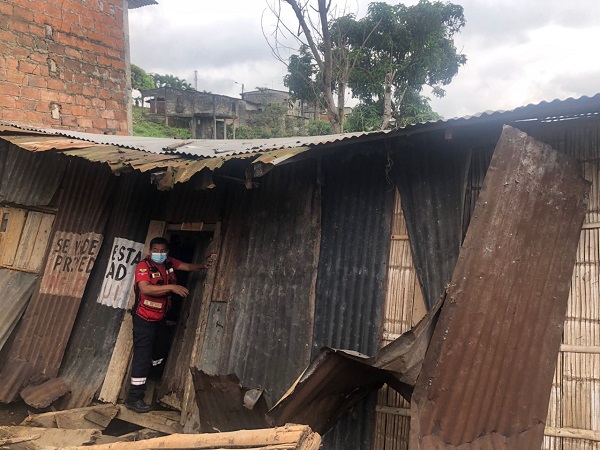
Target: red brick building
{"points": [[66, 64]]}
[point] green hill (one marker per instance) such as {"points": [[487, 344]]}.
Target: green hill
{"points": [[144, 127]]}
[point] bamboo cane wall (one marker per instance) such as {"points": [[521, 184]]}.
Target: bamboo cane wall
{"points": [[573, 421], [404, 307]]}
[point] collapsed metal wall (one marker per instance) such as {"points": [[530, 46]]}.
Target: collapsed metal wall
{"points": [[41, 336], [357, 206], [134, 203]]}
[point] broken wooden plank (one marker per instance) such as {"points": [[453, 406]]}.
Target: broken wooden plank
{"points": [[287, 437], [42, 395], [49, 437], [101, 417], [71, 418], [227, 406], [163, 421], [487, 375]]}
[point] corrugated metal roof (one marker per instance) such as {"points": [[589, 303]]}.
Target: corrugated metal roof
{"points": [[132, 4], [554, 110], [184, 158]]}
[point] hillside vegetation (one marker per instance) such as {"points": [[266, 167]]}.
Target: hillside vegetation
{"points": [[144, 127]]}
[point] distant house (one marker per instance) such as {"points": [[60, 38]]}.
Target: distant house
{"points": [[295, 108], [206, 114]]}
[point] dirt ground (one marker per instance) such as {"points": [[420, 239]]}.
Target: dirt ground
{"points": [[15, 413]]}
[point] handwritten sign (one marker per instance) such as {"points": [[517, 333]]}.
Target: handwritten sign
{"points": [[70, 261], [120, 273]]}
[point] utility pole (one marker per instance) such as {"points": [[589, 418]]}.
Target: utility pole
{"points": [[195, 79]]}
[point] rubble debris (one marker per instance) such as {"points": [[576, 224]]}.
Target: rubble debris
{"points": [[336, 380], [42, 395], [80, 418], [487, 374], [290, 437], [227, 406], [164, 421]]}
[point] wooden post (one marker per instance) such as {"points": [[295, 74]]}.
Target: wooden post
{"points": [[188, 401]]}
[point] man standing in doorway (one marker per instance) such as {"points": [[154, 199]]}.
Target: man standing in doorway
{"points": [[155, 281]]}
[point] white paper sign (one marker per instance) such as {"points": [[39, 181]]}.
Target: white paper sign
{"points": [[120, 273]]}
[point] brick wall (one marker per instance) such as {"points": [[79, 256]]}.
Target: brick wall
{"points": [[62, 64]]}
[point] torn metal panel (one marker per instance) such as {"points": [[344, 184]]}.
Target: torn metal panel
{"points": [[225, 405], [431, 177], [41, 337], [487, 375], [17, 288], [42, 395], [336, 380]]}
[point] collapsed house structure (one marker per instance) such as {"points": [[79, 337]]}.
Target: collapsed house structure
{"points": [[340, 241]]}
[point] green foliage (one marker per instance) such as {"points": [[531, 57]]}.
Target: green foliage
{"points": [[411, 45], [319, 128], [364, 117], [145, 127], [140, 79], [300, 79], [170, 81]]}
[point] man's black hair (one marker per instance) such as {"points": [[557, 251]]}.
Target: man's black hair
{"points": [[159, 241]]}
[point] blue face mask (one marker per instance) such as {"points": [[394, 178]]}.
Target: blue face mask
{"points": [[158, 258]]}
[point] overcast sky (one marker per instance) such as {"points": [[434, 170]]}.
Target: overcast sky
{"points": [[518, 51]]}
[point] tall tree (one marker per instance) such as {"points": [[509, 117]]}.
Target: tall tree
{"points": [[140, 78], [170, 81], [410, 47], [322, 34]]}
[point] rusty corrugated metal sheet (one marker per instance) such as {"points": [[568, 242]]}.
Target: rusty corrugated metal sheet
{"points": [[487, 375], [357, 205], [42, 395], [17, 288], [42, 334], [268, 266], [430, 173], [134, 204], [336, 379], [18, 167]]}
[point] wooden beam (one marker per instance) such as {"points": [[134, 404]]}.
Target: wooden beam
{"points": [[163, 421], [71, 418], [287, 437], [591, 349], [404, 412], [188, 401], [573, 433], [47, 437]]}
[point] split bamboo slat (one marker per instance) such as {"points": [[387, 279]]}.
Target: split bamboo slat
{"points": [[404, 307]]}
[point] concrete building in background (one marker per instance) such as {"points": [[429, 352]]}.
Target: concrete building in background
{"points": [[66, 65]]}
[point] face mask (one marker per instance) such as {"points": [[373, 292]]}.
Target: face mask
{"points": [[159, 258]]}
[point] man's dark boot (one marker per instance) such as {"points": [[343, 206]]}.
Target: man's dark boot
{"points": [[137, 406]]}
